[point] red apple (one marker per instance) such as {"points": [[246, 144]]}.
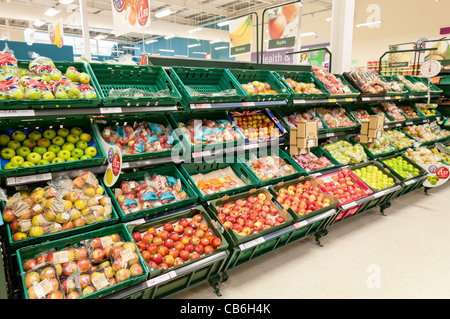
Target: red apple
{"points": [[164, 234], [189, 247], [157, 258], [193, 224], [146, 255], [174, 236], [209, 250], [194, 256], [216, 242], [163, 250], [137, 236], [189, 231], [147, 238], [199, 248], [168, 227], [179, 229], [168, 243], [158, 240], [184, 254], [152, 248], [178, 245]]}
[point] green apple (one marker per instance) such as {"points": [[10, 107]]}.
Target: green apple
{"points": [[13, 144], [49, 134], [19, 136], [29, 143], [23, 151], [68, 147], [43, 162], [44, 142], [49, 156], [58, 160], [63, 132], [71, 159], [35, 135], [76, 152], [91, 151], [63, 154], [54, 148], [4, 139], [58, 140], [84, 78], [7, 153], [86, 137], [82, 145], [26, 164], [33, 157], [72, 138], [11, 165], [76, 131], [85, 156], [33, 94], [61, 95], [40, 150], [17, 159]]}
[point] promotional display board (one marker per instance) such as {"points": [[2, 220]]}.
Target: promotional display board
{"points": [[283, 26], [438, 174], [241, 34], [130, 15]]}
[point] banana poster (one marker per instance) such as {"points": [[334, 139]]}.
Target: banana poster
{"points": [[283, 26], [241, 34], [130, 15]]}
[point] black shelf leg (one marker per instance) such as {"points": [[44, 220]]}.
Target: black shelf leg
{"points": [[383, 207]]}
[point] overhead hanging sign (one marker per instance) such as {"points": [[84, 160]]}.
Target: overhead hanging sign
{"points": [[399, 60], [56, 33], [130, 15], [241, 35], [283, 26]]}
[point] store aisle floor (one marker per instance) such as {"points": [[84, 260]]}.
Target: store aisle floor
{"points": [[402, 255]]}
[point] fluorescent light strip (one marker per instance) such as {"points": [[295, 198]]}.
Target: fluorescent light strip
{"points": [[195, 30], [129, 47], [199, 52], [307, 34], [39, 23], [151, 41], [221, 48], [215, 41], [223, 23], [66, 1], [164, 13], [368, 24], [166, 50], [167, 37], [329, 19], [100, 37], [51, 12], [194, 45]]}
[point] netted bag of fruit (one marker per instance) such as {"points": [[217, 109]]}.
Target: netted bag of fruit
{"points": [[87, 91], [37, 89], [125, 262], [65, 89], [11, 88], [169, 188], [7, 58], [40, 65], [100, 248], [77, 77], [43, 283], [159, 136]]}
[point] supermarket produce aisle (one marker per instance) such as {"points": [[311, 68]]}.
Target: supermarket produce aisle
{"points": [[402, 255]]}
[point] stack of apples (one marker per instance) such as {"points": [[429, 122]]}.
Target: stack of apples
{"points": [[26, 148], [343, 185], [302, 198], [64, 204], [42, 281], [204, 131], [248, 216], [331, 82], [258, 87], [176, 243], [139, 138], [257, 127], [301, 87], [84, 267], [153, 191]]}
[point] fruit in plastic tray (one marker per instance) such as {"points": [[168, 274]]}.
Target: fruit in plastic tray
{"points": [[139, 138], [374, 177], [346, 153], [42, 282], [399, 139], [393, 86], [331, 82], [257, 127], [380, 145], [408, 111], [392, 110], [308, 115], [215, 185], [176, 243], [310, 162], [204, 131], [153, 191], [301, 87], [402, 167], [63, 204], [269, 167], [248, 216], [427, 132], [444, 157], [367, 80], [427, 111], [342, 185], [258, 87], [26, 148], [302, 198], [361, 115], [423, 155], [413, 86], [86, 266], [334, 117]]}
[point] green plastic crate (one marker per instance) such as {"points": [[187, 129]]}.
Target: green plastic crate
{"points": [[418, 112], [387, 118], [269, 152], [145, 78], [265, 76], [56, 103], [174, 218], [369, 153], [235, 239], [354, 108], [389, 78], [355, 92], [339, 129], [30, 125], [438, 114], [319, 152], [191, 169], [434, 89], [102, 123], [210, 83], [53, 236], [28, 252], [304, 77], [176, 118], [413, 79], [170, 170], [273, 189], [281, 113]]}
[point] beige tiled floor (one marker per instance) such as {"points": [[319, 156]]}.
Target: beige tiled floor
{"points": [[403, 255]]}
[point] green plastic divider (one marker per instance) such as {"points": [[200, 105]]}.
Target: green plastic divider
{"points": [[304, 77], [29, 252], [148, 79], [169, 170]]}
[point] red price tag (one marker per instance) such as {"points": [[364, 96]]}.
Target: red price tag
{"points": [[116, 164], [442, 173]]}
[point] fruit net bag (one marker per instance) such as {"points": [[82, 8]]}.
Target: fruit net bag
{"points": [[269, 167], [65, 89], [7, 58], [380, 112], [408, 111], [217, 181], [361, 115], [422, 155], [308, 115], [310, 162], [399, 139], [37, 89], [422, 133]]}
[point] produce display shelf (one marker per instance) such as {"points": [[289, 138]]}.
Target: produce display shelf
{"points": [[281, 113], [237, 105], [302, 77], [333, 100]]}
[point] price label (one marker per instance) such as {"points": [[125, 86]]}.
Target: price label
{"points": [[158, 280], [332, 100], [200, 106], [301, 224], [409, 123], [409, 182], [398, 124], [348, 99], [299, 101], [329, 134], [349, 205], [252, 243], [17, 113], [110, 110], [248, 103], [172, 274]]}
